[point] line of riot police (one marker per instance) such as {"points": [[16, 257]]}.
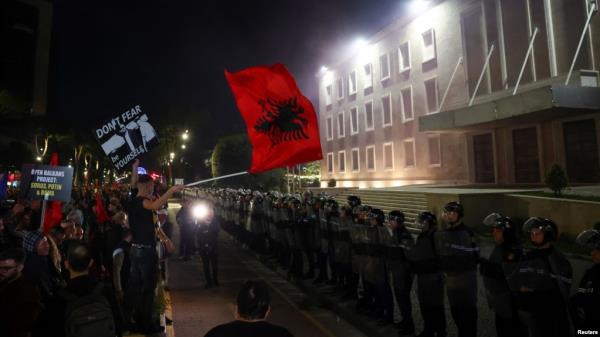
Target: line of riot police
{"points": [[374, 258]]}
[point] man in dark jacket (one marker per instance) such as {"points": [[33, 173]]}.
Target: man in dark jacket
{"points": [[19, 299], [458, 251], [542, 282], [585, 302]]}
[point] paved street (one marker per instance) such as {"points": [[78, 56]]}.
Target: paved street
{"points": [[196, 309]]}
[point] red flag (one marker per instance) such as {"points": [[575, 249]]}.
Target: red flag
{"points": [[53, 210], [281, 122], [101, 215]]}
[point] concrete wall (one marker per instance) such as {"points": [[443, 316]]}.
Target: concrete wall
{"points": [[571, 216]]}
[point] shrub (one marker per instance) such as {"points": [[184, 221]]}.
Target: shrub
{"points": [[556, 179], [331, 183]]}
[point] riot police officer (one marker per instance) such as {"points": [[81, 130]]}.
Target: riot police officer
{"points": [[398, 265], [585, 303], [542, 281], [430, 280], [505, 255], [377, 289], [207, 237], [458, 251]]}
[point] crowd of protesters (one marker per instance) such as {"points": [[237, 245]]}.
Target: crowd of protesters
{"points": [[86, 275], [375, 258]]}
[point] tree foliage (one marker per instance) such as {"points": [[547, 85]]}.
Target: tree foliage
{"points": [[232, 154]]}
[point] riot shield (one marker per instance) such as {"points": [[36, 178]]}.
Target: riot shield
{"points": [[374, 269], [324, 233], [342, 241], [359, 239]]}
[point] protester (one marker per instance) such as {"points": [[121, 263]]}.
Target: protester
{"points": [[144, 258], [87, 311], [19, 298], [251, 312]]}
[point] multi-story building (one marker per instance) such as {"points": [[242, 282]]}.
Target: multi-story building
{"points": [[467, 92]]}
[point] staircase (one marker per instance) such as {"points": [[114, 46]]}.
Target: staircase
{"points": [[410, 203]]}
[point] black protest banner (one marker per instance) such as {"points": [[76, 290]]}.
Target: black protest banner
{"points": [[126, 137], [53, 182]]}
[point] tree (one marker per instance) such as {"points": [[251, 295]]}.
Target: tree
{"points": [[556, 179], [232, 154]]}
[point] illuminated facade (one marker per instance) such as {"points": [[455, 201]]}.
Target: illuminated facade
{"points": [[431, 98]]}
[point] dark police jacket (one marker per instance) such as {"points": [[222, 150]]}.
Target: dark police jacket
{"points": [[457, 249], [547, 273], [502, 260], [208, 234], [587, 300], [423, 257]]}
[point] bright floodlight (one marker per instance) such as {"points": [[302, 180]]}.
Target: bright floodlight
{"points": [[183, 146], [359, 43], [200, 211], [416, 6], [185, 136], [323, 69]]}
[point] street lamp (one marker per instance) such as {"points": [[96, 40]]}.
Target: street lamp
{"points": [[185, 136], [172, 155], [183, 146], [38, 158]]}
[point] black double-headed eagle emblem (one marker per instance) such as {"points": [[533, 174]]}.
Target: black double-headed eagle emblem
{"points": [[282, 121]]}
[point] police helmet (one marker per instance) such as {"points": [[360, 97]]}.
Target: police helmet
{"points": [[397, 216], [490, 220], [377, 214], [589, 238], [353, 201], [545, 225], [426, 221], [455, 206]]}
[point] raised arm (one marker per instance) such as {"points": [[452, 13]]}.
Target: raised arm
{"points": [[155, 205], [134, 172]]}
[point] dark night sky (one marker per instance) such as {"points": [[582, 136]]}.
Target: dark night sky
{"points": [[169, 56]]}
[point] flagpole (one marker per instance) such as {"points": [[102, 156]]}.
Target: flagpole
{"points": [[216, 178]]}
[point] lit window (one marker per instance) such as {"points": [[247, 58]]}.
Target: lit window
{"points": [[340, 88], [370, 158], [369, 123], [388, 156], [330, 163], [328, 94], [340, 124], [428, 42], [386, 108], [431, 93], [354, 120], [384, 63], [409, 153], [407, 104], [404, 57], [355, 160], [342, 161], [329, 125], [352, 83], [435, 153], [368, 75]]}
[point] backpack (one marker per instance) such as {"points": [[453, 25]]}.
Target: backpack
{"points": [[89, 315]]}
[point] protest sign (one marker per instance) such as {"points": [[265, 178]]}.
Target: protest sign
{"points": [[126, 137], [41, 181]]}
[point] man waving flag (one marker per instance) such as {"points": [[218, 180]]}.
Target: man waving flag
{"points": [[281, 122]]}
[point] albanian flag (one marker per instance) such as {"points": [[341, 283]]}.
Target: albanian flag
{"points": [[101, 215], [281, 122], [53, 214]]}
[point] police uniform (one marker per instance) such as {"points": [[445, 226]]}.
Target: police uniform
{"points": [[458, 254], [208, 234]]}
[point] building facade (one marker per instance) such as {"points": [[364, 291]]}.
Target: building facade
{"points": [[466, 92]]}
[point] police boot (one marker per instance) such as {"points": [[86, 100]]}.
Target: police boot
{"points": [[406, 327]]}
